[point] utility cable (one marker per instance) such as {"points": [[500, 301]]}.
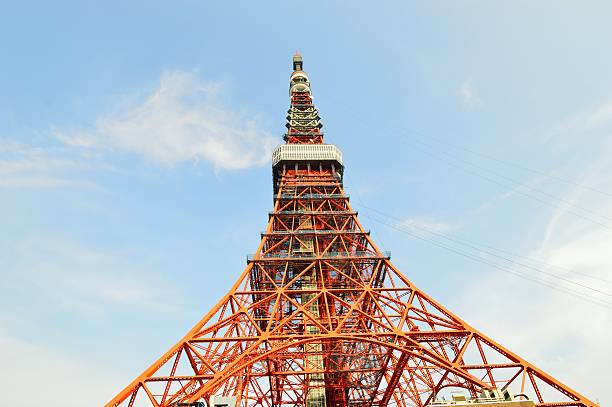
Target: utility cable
{"points": [[520, 184], [490, 253], [518, 191], [516, 165], [565, 290]]}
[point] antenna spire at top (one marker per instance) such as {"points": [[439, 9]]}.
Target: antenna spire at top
{"points": [[297, 61]]}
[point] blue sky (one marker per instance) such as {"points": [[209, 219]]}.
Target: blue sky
{"points": [[135, 175]]}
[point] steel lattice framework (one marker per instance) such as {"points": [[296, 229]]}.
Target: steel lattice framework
{"points": [[321, 317]]}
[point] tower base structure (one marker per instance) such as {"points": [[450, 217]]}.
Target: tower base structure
{"points": [[320, 317]]}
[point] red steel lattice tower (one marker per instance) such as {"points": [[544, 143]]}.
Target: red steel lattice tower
{"points": [[321, 317]]}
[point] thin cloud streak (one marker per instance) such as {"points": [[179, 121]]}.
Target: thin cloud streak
{"points": [[42, 182], [524, 187], [469, 94], [601, 115], [25, 166], [588, 124], [549, 328], [428, 224]]}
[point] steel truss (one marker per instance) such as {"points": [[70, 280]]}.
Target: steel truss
{"points": [[321, 317]]}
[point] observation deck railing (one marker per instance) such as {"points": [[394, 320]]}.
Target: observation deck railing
{"points": [[284, 254], [315, 232], [301, 212], [314, 196], [306, 152]]}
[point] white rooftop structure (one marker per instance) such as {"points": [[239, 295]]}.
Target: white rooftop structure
{"points": [[306, 152]]}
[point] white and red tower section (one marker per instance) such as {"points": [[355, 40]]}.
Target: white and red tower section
{"points": [[321, 317]]}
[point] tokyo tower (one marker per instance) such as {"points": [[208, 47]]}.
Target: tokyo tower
{"points": [[321, 317]]}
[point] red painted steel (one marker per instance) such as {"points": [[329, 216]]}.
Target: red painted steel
{"points": [[320, 316]]}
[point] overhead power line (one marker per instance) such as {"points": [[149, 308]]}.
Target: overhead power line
{"points": [[550, 200], [478, 257], [474, 246], [565, 290], [566, 180]]}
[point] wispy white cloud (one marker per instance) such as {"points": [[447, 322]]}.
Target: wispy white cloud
{"points": [[28, 166], [43, 182], [89, 279], [180, 121], [61, 380], [564, 335], [586, 124], [469, 94], [527, 187], [569, 135], [601, 115], [420, 224]]}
